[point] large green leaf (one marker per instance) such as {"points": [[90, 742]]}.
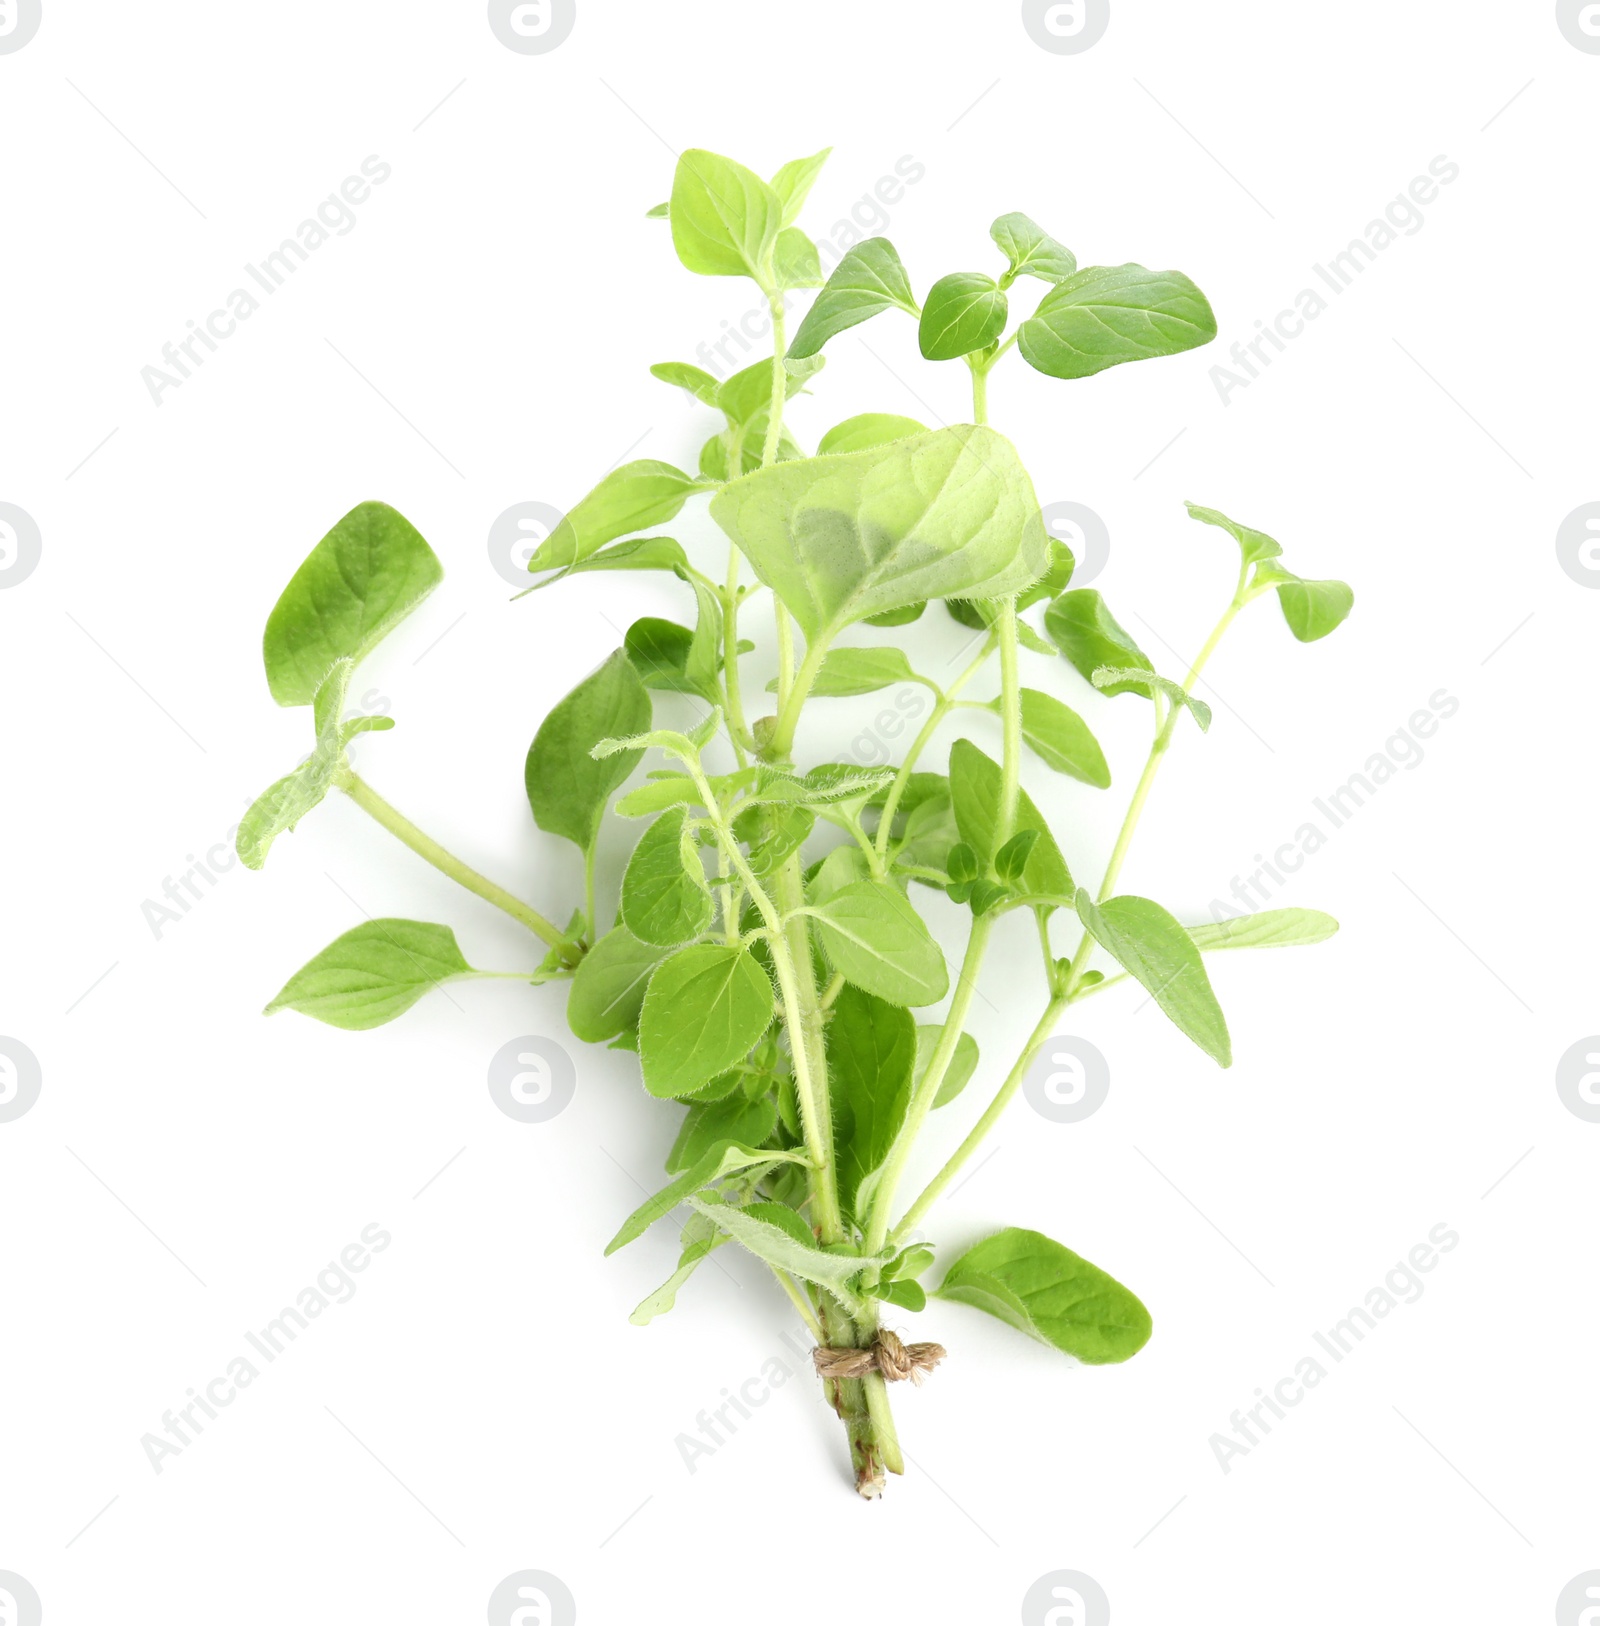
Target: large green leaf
{"points": [[869, 279], [866, 430], [608, 986], [705, 1007], [359, 582], [875, 938], [963, 312], [841, 538], [665, 899], [1271, 928], [373, 973], [975, 781], [1047, 1291], [1085, 631], [1147, 942], [1031, 251], [872, 1056], [567, 788], [725, 218], [631, 498], [1061, 738], [1104, 315]]}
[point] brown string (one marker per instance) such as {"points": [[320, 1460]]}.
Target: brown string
{"points": [[886, 1354]]}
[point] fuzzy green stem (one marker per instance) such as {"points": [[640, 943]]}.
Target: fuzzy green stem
{"points": [[1011, 717], [781, 744], [424, 846]]}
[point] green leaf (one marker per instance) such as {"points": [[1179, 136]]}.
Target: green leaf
{"points": [[1105, 315], [866, 430], [359, 583], [773, 834], [869, 279], [1031, 251], [1254, 546], [705, 1007], [930, 831], [875, 938], [902, 617], [1012, 858], [608, 986], [660, 212], [963, 1064], [642, 553], [567, 787], [1271, 928], [975, 794], [848, 672], [1147, 942], [725, 219], [778, 1245], [963, 312], [1116, 679], [1060, 737], [660, 792], [631, 498], [700, 1238], [717, 1164], [872, 1055], [907, 1295], [665, 899], [844, 537], [748, 394], [794, 181], [696, 380], [795, 261], [1086, 632], [710, 1125], [1047, 1291], [373, 973], [843, 867], [821, 786], [1312, 609]]}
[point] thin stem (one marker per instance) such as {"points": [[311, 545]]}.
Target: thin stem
{"points": [[1011, 717], [980, 390], [424, 846], [928, 1086], [782, 741], [1003, 1097], [769, 455], [798, 1299], [588, 893], [919, 744]]}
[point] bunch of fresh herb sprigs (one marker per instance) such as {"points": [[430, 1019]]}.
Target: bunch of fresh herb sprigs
{"points": [[772, 992]]}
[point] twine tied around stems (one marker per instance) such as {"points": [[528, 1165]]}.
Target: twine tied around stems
{"points": [[885, 1354]]}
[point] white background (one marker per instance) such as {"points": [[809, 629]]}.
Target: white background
{"points": [[480, 338]]}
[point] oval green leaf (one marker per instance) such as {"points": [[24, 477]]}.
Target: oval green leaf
{"points": [[874, 937], [705, 1007], [963, 312], [1105, 315], [373, 973]]}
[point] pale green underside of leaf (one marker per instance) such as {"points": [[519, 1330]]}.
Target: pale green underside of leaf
{"points": [[1271, 928], [373, 973], [717, 1164], [700, 1239], [635, 497], [874, 937], [844, 537], [869, 279], [866, 430], [725, 219], [1048, 1292], [777, 1246]]}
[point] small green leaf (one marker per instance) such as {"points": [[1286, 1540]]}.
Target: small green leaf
{"points": [[717, 1164], [1086, 632], [874, 938], [843, 867], [631, 498], [608, 986], [1147, 942], [657, 794], [773, 833], [866, 430], [1105, 315], [821, 786], [1012, 858], [903, 617], [373, 973], [699, 1238], [725, 219], [843, 537], [872, 1055], [963, 1064], [1116, 679], [795, 261], [907, 1295], [975, 793], [748, 394], [696, 380], [1061, 738], [359, 583], [660, 212], [567, 787], [962, 863], [705, 1007], [1312, 609], [665, 899], [869, 279], [1047, 1291], [1254, 546], [1271, 928], [848, 672], [965, 311], [641, 553], [1031, 251], [794, 181], [710, 1125]]}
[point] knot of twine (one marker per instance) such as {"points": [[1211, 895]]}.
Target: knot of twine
{"points": [[885, 1354]]}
